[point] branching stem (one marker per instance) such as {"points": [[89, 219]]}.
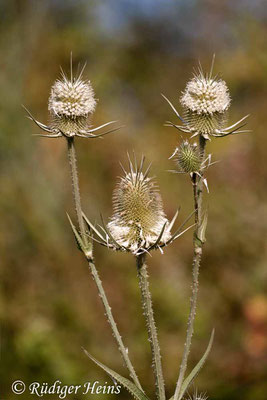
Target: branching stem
{"points": [[151, 326], [89, 257], [197, 183]]}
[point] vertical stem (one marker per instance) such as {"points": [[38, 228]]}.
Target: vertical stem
{"points": [[75, 187], [97, 280], [151, 326], [109, 315], [197, 183]]}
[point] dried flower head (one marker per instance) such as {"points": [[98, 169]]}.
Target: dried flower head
{"points": [[138, 223], [205, 102], [187, 157], [206, 95], [138, 217], [71, 103]]}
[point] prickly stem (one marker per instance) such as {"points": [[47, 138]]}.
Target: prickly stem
{"points": [[197, 183], [151, 326]]}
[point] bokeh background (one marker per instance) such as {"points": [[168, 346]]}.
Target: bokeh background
{"points": [[135, 50]]}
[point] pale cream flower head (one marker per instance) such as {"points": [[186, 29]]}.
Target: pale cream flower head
{"points": [[71, 98], [205, 103], [205, 95], [70, 105]]}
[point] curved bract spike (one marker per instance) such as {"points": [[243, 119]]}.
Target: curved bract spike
{"points": [[155, 245], [174, 218], [92, 227], [179, 230], [212, 66], [99, 242], [48, 136], [233, 132], [174, 237], [39, 124], [173, 108], [107, 132], [237, 123], [179, 127], [101, 126]]}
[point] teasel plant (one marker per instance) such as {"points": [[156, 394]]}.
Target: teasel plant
{"points": [[71, 105], [138, 224], [205, 103]]}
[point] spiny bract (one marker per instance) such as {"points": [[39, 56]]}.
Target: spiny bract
{"points": [[205, 101], [187, 157], [138, 217], [70, 104]]}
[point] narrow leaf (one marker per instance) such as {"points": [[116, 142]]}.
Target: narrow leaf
{"points": [[187, 382], [126, 383], [76, 235]]}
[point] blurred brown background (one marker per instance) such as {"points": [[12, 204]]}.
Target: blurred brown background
{"points": [[134, 50]]}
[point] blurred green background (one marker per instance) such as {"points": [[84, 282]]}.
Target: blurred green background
{"points": [[134, 51]]}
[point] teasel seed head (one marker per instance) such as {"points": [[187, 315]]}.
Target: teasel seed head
{"points": [[205, 102], [71, 102], [138, 224], [187, 157], [138, 218]]}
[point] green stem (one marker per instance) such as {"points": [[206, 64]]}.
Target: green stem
{"points": [[197, 183], [116, 334], [75, 187], [96, 278], [151, 326]]}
